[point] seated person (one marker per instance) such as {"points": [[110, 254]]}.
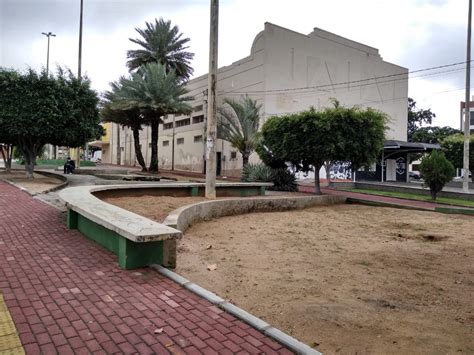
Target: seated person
{"points": [[69, 166]]}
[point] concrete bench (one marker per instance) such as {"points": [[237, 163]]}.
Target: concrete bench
{"points": [[136, 240]]}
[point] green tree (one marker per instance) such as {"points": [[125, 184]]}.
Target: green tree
{"points": [[453, 148], [417, 117], [161, 43], [36, 109], [112, 111], [237, 123], [155, 94], [437, 171], [310, 138], [433, 134]]}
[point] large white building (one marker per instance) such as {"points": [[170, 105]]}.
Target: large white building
{"points": [[286, 72]]}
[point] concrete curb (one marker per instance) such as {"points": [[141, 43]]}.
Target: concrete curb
{"points": [[19, 187], [291, 343]]}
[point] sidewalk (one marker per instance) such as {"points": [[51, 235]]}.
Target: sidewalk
{"points": [[67, 295]]}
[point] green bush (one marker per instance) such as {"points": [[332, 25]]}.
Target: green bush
{"points": [[282, 179], [436, 171]]}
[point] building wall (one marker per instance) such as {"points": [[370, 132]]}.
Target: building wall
{"points": [[285, 72]]}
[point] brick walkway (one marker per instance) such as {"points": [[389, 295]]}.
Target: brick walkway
{"points": [[66, 294]]}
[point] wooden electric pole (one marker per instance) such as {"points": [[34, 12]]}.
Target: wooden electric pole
{"points": [[467, 116], [212, 104]]}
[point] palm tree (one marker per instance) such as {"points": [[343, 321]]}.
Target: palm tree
{"points": [[112, 111], [238, 124], [161, 43], [155, 93]]}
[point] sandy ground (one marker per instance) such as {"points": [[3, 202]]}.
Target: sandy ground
{"points": [[346, 279], [38, 184]]}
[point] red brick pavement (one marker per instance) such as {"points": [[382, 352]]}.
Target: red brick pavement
{"points": [[67, 295]]}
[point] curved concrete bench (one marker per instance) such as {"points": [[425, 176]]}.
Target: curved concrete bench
{"points": [[136, 240], [185, 216]]}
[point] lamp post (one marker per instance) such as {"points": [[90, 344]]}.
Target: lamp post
{"points": [[49, 34]]}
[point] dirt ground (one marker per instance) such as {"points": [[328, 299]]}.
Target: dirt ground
{"points": [[345, 279], [38, 184]]}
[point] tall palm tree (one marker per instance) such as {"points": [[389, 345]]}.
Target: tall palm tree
{"points": [[112, 111], [155, 93], [162, 43], [238, 124]]}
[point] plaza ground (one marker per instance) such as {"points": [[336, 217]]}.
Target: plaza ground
{"points": [[39, 184], [345, 279]]}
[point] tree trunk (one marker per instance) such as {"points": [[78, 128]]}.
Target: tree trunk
{"points": [[245, 158], [29, 153], [327, 167], [317, 184], [138, 149], [154, 146], [433, 194], [119, 152], [7, 153]]}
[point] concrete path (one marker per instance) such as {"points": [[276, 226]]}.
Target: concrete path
{"points": [[67, 295]]}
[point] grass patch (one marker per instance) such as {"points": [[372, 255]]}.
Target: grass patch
{"points": [[61, 162], [417, 197]]}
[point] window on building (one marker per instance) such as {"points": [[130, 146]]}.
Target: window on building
{"points": [[197, 139], [180, 141], [121, 149], [166, 143], [149, 145], [185, 122], [471, 118], [197, 108], [168, 125], [233, 155], [198, 119]]}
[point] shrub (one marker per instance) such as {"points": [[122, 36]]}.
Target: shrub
{"points": [[282, 178], [436, 171]]}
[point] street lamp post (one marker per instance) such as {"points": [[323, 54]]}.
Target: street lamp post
{"points": [[467, 116], [49, 34]]}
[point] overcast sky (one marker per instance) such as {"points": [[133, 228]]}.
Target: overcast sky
{"points": [[415, 34]]}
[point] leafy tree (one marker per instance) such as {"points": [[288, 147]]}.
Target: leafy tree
{"points": [[112, 111], [36, 109], [238, 124], [162, 43], [282, 178], [417, 117], [154, 93], [453, 148], [433, 134], [310, 138], [437, 171]]}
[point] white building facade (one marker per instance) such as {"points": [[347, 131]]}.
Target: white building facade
{"points": [[286, 72]]}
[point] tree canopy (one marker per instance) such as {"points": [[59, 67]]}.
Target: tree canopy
{"points": [[161, 42], [433, 134], [417, 117], [238, 124], [437, 171], [37, 108], [453, 148], [310, 138]]}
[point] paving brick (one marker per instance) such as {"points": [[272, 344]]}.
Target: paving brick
{"points": [[67, 295]]}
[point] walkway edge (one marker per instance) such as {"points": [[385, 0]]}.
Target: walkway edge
{"points": [[259, 324]]}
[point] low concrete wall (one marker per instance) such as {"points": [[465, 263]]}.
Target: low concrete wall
{"points": [[182, 218]]}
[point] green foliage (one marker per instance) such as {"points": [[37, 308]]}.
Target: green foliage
{"points": [[437, 171], [61, 162], [433, 134], [36, 109], [453, 148], [161, 43], [416, 118], [257, 173], [267, 157], [238, 124], [282, 178], [310, 138]]}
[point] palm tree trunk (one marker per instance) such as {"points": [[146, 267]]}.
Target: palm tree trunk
{"points": [[138, 149], [245, 158], [154, 146]]}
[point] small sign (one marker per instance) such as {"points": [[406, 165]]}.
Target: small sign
{"points": [[401, 166]]}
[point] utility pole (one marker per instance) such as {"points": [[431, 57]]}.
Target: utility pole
{"points": [[49, 34], [79, 76], [172, 145], [467, 116], [204, 136], [211, 104]]}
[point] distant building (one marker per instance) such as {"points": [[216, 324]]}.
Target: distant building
{"points": [[286, 72], [471, 114]]}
